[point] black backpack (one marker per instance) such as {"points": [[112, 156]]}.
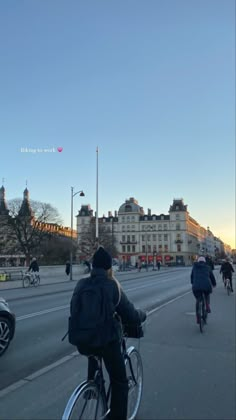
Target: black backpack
{"points": [[91, 321]]}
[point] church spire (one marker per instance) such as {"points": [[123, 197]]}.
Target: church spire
{"points": [[3, 207], [25, 209]]}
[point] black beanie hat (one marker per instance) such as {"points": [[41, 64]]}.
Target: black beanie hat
{"points": [[102, 259]]}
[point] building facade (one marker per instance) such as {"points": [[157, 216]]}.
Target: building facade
{"points": [[173, 238]]}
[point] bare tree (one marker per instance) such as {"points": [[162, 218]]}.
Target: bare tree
{"points": [[87, 244], [25, 232]]}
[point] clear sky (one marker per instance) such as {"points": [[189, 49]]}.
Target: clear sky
{"points": [[151, 83]]}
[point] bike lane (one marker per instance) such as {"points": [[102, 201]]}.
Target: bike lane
{"points": [[187, 375]]}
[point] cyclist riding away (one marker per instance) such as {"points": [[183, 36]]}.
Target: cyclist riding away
{"points": [[102, 278], [227, 269], [202, 280]]}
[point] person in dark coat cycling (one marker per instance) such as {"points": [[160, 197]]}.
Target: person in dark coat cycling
{"points": [[202, 280], [34, 267], [227, 269], [112, 353]]}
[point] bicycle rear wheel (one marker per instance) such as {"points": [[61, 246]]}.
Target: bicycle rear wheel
{"points": [[134, 372], [228, 287], [36, 280], [86, 403], [203, 314]]}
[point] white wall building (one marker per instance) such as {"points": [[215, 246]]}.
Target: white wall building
{"points": [[170, 238]]}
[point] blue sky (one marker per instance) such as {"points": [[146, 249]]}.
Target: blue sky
{"points": [[151, 83]]}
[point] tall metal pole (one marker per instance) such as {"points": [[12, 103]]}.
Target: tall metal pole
{"points": [[71, 237], [97, 201]]}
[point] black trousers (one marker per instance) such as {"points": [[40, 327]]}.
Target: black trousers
{"points": [[115, 366]]}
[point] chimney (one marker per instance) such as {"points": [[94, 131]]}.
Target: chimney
{"points": [[149, 212], [115, 213], [109, 214]]}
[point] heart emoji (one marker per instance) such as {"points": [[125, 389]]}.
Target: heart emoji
{"points": [[59, 149]]}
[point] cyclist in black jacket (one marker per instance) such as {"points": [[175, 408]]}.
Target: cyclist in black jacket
{"points": [[227, 269], [202, 280], [112, 354]]}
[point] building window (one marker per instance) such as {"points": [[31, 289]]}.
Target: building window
{"points": [[133, 218], [143, 238], [143, 248], [154, 227], [149, 248], [160, 247], [159, 237], [128, 248], [177, 226], [123, 248], [177, 216], [153, 217], [128, 219], [123, 219], [133, 238], [133, 227], [154, 237], [154, 248], [162, 217], [133, 248], [178, 248], [123, 228], [149, 237], [165, 227], [143, 227], [166, 248], [123, 238], [128, 238], [159, 227], [165, 237]]}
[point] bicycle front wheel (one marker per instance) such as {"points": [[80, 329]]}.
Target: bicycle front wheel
{"points": [[134, 372], [86, 403], [26, 281]]}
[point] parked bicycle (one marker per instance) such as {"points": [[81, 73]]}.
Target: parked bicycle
{"points": [[201, 311], [31, 279], [91, 399]]}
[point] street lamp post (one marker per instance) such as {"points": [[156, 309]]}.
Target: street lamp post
{"points": [[154, 254], [81, 193]]}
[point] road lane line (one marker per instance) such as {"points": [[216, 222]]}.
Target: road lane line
{"points": [[167, 303], [45, 311]]}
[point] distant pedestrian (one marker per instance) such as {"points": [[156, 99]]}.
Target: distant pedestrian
{"points": [[67, 268], [139, 265], [87, 263], [158, 265]]}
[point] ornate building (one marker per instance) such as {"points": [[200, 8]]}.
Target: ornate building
{"points": [[27, 214], [173, 238]]}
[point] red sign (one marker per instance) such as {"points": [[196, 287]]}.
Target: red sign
{"points": [[167, 257], [159, 258]]}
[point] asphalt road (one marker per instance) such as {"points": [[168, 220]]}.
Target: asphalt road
{"points": [[187, 375]]}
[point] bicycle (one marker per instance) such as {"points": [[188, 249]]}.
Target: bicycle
{"points": [[201, 311], [227, 285], [31, 279], [90, 400]]}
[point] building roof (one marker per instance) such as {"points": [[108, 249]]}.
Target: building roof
{"points": [[130, 206]]}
